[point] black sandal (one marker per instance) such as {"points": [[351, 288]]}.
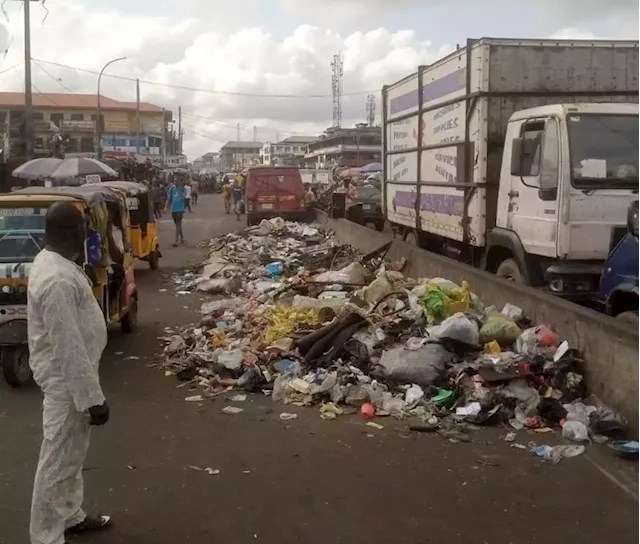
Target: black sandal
{"points": [[90, 524]]}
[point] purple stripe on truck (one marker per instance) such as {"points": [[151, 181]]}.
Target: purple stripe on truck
{"points": [[430, 202], [430, 91]]}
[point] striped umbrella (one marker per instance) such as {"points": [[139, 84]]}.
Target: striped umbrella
{"points": [[80, 167], [37, 168]]}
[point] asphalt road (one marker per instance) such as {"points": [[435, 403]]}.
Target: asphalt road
{"points": [[304, 481]]}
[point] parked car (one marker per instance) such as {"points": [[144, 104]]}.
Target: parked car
{"points": [[274, 191], [368, 207]]}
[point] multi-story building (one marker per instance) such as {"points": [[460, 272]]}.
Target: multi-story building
{"points": [[240, 155], [288, 152], [351, 147], [75, 116]]}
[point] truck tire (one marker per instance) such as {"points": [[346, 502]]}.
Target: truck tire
{"points": [[15, 365], [379, 226], [509, 270], [629, 317]]}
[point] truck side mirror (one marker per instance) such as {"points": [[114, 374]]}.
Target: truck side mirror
{"points": [[632, 218], [516, 157]]}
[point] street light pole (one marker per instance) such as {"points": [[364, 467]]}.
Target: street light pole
{"points": [[98, 126]]}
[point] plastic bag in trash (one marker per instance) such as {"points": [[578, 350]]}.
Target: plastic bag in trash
{"points": [[352, 274], [424, 366], [578, 411], [440, 303], [413, 394], [500, 328], [576, 431], [528, 343], [515, 313], [458, 328], [604, 420]]}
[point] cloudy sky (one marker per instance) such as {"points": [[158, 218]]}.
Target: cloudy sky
{"points": [[200, 52]]}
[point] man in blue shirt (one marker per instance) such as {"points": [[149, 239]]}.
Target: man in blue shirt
{"points": [[176, 199]]}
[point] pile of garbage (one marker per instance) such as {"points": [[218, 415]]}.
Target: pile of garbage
{"points": [[296, 316]]}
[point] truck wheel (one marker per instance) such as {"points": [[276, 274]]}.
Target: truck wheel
{"points": [[380, 226], [509, 270], [629, 317], [129, 322], [15, 365], [154, 259]]}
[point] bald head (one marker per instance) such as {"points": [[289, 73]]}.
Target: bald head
{"points": [[64, 229]]}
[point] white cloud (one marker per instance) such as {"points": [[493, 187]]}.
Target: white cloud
{"points": [[200, 54]]}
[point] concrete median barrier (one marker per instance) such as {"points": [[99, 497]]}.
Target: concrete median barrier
{"points": [[610, 347]]}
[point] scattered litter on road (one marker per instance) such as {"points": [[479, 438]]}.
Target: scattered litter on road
{"points": [[285, 416], [375, 425], [290, 313], [194, 398], [232, 410]]}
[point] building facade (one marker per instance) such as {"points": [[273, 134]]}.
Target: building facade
{"points": [[288, 152], [236, 156], [74, 116], [350, 147]]}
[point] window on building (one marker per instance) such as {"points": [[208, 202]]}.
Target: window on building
{"points": [[56, 119], [86, 145], [77, 116], [38, 116], [38, 143], [94, 117], [3, 117]]}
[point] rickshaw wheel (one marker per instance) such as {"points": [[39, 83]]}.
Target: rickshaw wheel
{"points": [[154, 260], [15, 365], [129, 322]]}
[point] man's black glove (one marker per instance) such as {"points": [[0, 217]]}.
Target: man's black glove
{"points": [[99, 414]]}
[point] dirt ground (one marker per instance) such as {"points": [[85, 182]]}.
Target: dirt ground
{"points": [[304, 481]]}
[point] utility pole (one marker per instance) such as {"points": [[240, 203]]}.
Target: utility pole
{"points": [[255, 132], [28, 97], [238, 132], [137, 116], [163, 148], [179, 130]]}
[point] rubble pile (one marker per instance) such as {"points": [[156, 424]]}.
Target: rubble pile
{"points": [[310, 322]]}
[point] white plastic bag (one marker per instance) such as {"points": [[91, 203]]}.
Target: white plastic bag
{"points": [[457, 327], [576, 431]]}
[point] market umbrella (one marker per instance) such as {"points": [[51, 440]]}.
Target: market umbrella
{"points": [[37, 168], [80, 167], [371, 167]]}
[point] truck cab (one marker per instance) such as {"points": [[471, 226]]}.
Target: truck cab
{"points": [[569, 172], [619, 281]]}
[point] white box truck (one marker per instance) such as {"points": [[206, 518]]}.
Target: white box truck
{"points": [[518, 156]]}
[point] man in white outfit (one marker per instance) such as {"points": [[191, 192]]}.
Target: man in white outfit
{"points": [[67, 334]]}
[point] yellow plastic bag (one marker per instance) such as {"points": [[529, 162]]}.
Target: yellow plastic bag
{"points": [[280, 321], [441, 303]]}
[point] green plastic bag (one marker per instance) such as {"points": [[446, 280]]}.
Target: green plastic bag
{"points": [[436, 305]]}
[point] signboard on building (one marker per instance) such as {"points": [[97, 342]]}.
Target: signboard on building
{"points": [[78, 125], [116, 125]]}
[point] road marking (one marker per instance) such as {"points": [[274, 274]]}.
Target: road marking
{"points": [[614, 479]]}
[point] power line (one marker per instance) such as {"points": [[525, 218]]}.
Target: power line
{"points": [[199, 90], [56, 79], [188, 129], [45, 96], [10, 68], [234, 125], [11, 33]]}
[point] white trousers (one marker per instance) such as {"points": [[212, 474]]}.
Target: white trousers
{"points": [[58, 489]]}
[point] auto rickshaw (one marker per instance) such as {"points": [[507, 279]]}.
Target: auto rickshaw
{"points": [[144, 229], [22, 228]]}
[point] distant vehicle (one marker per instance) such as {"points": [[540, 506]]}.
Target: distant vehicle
{"points": [[507, 155], [368, 207], [274, 191]]}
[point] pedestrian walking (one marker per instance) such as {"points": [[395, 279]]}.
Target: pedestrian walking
{"points": [[238, 194], [187, 196], [177, 201], [157, 199], [195, 189], [67, 334], [227, 192]]}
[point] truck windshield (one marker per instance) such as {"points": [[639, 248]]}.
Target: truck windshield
{"points": [[604, 151], [21, 234]]}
